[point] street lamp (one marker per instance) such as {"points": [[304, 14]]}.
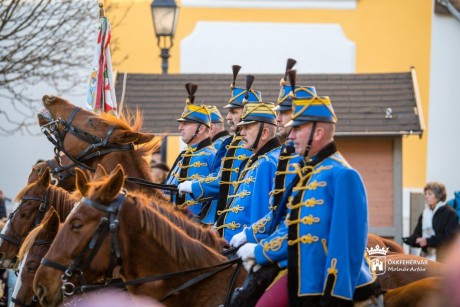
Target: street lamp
{"points": [[164, 14]]}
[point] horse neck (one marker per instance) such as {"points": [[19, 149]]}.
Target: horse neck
{"points": [[195, 231], [23, 291], [62, 201], [146, 232], [132, 161]]}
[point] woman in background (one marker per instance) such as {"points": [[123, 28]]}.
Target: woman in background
{"points": [[437, 225]]}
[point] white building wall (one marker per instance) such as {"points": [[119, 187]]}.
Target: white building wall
{"points": [[443, 159], [262, 48]]}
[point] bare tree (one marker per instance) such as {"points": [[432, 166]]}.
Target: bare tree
{"points": [[42, 41]]}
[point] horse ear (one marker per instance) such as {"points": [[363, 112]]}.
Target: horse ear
{"points": [[112, 187], [125, 137], [51, 221], [100, 172], [81, 181], [33, 176], [45, 178]]}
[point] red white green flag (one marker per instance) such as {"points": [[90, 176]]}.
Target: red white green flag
{"points": [[101, 92]]}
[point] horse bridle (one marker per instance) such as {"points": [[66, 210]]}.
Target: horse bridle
{"points": [[42, 209], [101, 145], [107, 224], [34, 299]]}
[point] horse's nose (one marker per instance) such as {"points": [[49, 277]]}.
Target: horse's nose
{"points": [[48, 99], [40, 291]]}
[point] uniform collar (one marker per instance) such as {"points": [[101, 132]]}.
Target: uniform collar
{"points": [[219, 135], [325, 152], [204, 143]]}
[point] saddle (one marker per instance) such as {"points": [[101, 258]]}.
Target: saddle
{"points": [[254, 286]]}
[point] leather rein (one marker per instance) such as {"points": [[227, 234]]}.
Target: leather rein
{"points": [[42, 209], [34, 300], [109, 224], [97, 147]]}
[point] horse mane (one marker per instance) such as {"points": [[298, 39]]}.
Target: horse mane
{"points": [[166, 208], [126, 121], [180, 247], [62, 200], [29, 241], [133, 123], [203, 234]]}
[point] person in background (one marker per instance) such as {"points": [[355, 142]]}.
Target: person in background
{"points": [[159, 172], [229, 160], [218, 134], [250, 201], [194, 162], [436, 226], [3, 272], [322, 240], [2, 204], [156, 158]]}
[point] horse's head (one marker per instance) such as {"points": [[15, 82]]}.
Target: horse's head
{"points": [[31, 253], [32, 203], [61, 175], [83, 244], [80, 133], [54, 108]]}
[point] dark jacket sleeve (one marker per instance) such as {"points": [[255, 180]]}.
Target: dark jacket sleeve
{"points": [[2, 208], [416, 234], [445, 225]]}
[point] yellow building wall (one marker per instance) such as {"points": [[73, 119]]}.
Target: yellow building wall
{"points": [[390, 36]]}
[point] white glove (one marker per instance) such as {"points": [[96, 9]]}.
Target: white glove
{"points": [[185, 187], [239, 239], [246, 251], [251, 263]]}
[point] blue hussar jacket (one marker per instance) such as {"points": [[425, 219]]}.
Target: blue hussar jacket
{"points": [[286, 171], [193, 163], [209, 207], [217, 186], [217, 142], [324, 235], [250, 202]]}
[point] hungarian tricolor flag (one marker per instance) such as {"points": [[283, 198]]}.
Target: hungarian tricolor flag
{"points": [[101, 93]]}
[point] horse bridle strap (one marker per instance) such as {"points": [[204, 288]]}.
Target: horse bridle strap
{"points": [[42, 209], [108, 223], [219, 267], [94, 141], [165, 187], [23, 304]]}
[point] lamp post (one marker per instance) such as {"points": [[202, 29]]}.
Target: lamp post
{"points": [[164, 14]]}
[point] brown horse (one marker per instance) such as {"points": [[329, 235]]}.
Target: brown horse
{"points": [[197, 231], [420, 293], [373, 240], [149, 244], [30, 211], [62, 175], [34, 200], [90, 139], [31, 253]]}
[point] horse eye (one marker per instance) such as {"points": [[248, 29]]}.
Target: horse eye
{"points": [[32, 267], [26, 214], [76, 225]]}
